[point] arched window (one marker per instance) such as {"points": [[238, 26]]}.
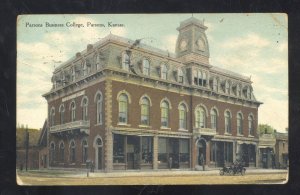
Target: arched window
{"points": [[238, 90], [85, 109], [84, 68], [125, 61], [99, 142], [204, 79], [52, 117], [146, 67], [215, 84], [145, 111], [248, 93], [180, 75], [239, 123], [72, 151], [200, 117], [250, 125], [182, 117], [200, 79], [62, 114], [213, 118], [72, 74], [84, 151], [61, 151], [227, 122], [52, 153], [227, 87], [123, 108], [164, 71], [73, 110], [97, 61], [99, 108], [164, 114]]}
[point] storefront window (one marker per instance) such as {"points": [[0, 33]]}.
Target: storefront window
{"points": [[118, 149], [147, 146], [184, 156], [162, 150]]}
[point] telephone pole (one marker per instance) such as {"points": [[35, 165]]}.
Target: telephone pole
{"points": [[26, 147]]}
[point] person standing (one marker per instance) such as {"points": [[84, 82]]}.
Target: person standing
{"points": [[170, 162]]}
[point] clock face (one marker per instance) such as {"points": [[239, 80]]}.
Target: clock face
{"points": [[183, 45], [201, 44]]}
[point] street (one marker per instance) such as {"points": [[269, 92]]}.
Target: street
{"points": [[178, 178]]}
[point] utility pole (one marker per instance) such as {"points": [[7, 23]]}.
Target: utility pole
{"points": [[26, 147]]}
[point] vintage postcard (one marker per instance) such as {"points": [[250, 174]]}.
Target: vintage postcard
{"points": [[152, 99]]}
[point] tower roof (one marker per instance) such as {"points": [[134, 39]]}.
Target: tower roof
{"points": [[192, 21]]}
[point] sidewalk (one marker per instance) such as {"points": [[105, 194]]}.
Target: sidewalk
{"points": [[138, 173]]}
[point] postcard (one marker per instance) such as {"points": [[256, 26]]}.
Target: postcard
{"points": [[152, 99]]}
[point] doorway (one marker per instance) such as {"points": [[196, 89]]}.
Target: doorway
{"points": [[201, 145], [133, 152]]}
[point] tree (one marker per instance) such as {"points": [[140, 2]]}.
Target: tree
{"points": [[265, 128]]}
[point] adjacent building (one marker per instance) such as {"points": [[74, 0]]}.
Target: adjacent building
{"points": [[124, 105]]}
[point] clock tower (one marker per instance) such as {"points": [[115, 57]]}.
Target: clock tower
{"points": [[192, 45]]}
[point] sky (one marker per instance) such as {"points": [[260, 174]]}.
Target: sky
{"points": [[254, 45]]}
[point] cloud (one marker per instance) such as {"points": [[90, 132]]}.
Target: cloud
{"points": [[250, 40], [283, 47]]}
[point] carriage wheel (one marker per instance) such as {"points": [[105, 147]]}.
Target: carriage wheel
{"points": [[221, 172], [230, 172]]}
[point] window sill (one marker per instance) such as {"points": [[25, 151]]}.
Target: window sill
{"points": [[145, 126], [183, 130], [72, 164], [165, 128], [124, 124], [227, 134], [98, 124], [240, 135], [250, 135]]}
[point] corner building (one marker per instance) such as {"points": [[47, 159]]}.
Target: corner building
{"points": [[125, 105]]}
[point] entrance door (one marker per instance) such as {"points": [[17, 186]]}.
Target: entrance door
{"points": [[174, 152], [201, 151], [133, 152], [99, 157]]}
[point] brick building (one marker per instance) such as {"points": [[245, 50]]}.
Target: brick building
{"points": [[126, 105]]}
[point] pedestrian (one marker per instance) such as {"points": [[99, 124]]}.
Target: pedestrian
{"points": [[92, 166], [273, 161], [202, 162], [170, 162]]}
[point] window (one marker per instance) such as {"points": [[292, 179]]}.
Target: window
{"points": [[180, 76], [84, 151], [99, 108], [52, 117], [147, 150], [97, 61], [227, 122], [118, 149], [213, 118], [248, 93], [123, 108], [164, 114], [146, 67], [85, 109], [182, 117], [52, 153], [84, 68], [72, 74], [200, 117], [250, 125], [164, 71], [184, 154], [125, 61], [240, 123], [62, 152], [162, 150], [227, 87], [62, 77], [73, 109], [62, 113], [200, 78], [238, 90], [72, 151], [215, 84], [145, 107]]}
